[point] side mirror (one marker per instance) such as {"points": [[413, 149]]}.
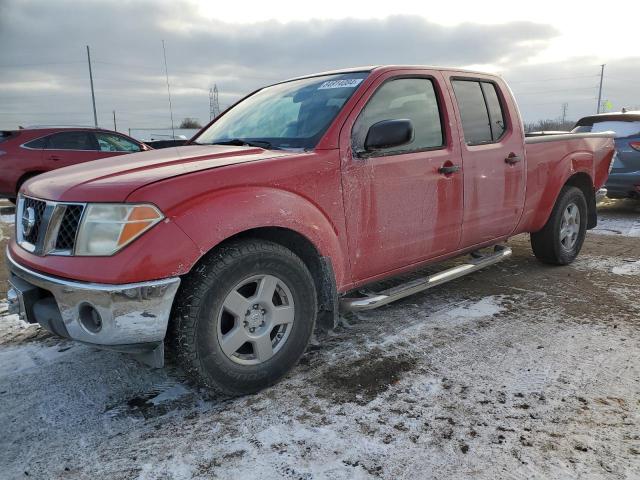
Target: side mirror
{"points": [[387, 134]]}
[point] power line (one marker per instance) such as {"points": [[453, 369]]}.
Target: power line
{"points": [[190, 72], [37, 64], [551, 79], [564, 90]]}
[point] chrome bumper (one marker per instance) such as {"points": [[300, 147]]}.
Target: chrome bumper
{"points": [[130, 317]]}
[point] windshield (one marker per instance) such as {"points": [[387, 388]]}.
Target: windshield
{"points": [[287, 115]]}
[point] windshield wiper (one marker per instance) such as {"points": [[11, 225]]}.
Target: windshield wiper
{"points": [[242, 142]]}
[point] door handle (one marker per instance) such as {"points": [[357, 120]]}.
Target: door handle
{"points": [[512, 159], [54, 157], [449, 169]]}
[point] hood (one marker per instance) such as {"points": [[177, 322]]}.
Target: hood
{"points": [[114, 179]]}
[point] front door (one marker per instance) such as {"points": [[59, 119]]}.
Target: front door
{"points": [[400, 208], [493, 155]]}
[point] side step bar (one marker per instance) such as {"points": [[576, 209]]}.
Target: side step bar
{"points": [[384, 297]]}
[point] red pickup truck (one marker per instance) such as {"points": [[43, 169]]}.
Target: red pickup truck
{"points": [[299, 195]]}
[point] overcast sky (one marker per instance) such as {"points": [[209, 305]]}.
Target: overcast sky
{"points": [[550, 54]]}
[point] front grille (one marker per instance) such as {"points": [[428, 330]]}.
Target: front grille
{"points": [[55, 226], [69, 227], [38, 207]]}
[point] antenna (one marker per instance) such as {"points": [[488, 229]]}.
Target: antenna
{"points": [[166, 72], [214, 106]]}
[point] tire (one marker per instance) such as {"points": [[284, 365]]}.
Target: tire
{"points": [[556, 244], [215, 310]]}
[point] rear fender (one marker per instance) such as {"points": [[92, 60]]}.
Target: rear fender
{"points": [[575, 168]]}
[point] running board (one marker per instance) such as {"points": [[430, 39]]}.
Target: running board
{"points": [[384, 297]]}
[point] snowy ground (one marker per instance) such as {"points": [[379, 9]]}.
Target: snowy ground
{"points": [[519, 371]]}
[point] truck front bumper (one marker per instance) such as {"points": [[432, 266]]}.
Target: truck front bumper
{"points": [[131, 318]]}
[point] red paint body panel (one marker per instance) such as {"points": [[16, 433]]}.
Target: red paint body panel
{"points": [[371, 217], [112, 180], [164, 251], [300, 192], [493, 189], [551, 164], [18, 162], [400, 209]]}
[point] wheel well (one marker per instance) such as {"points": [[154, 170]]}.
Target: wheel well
{"points": [[583, 181], [320, 267], [24, 178]]}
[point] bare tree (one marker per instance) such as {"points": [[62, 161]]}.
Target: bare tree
{"points": [[190, 123]]}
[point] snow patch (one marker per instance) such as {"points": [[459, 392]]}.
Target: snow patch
{"points": [[20, 359], [170, 394], [627, 269], [486, 307], [626, 227], [617, 266], [7, 215]]}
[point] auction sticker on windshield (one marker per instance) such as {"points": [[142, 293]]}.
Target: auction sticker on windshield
{"points": [[344, 83]]}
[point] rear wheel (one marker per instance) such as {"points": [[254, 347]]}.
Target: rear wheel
{"points": [[244, 317], [560, 240]]}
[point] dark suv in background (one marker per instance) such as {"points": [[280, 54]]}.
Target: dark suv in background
{"points": [[624, 179], [25, 153]]}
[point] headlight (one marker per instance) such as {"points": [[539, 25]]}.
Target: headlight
{"points": [[106, 228]]}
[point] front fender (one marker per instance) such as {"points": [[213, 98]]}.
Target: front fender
{"points": [[211, 218]]}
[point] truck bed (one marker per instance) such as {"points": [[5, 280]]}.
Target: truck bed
{"points": [[554, 157]]}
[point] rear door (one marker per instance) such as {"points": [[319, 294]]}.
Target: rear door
{"points": [[68, 148], [493, 153], [399, 208]]}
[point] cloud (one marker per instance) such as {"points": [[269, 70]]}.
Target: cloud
{"points": [[44, 76]]}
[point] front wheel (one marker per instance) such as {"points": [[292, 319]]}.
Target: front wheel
{"points": [[244, 316], [560, 240]]}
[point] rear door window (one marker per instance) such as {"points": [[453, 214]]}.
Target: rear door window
{"points": [[71, 141], [404, 98], [480, 111]]}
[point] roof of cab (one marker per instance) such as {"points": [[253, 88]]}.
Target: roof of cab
{"points": [[384, 68]]}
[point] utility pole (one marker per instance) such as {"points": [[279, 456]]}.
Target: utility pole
{"points": [[166, 72], [600, 89], [565, 105], [93, 95], [115, 127]]}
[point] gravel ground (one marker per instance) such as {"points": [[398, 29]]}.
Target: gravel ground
{"points": [[518, 371]]}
